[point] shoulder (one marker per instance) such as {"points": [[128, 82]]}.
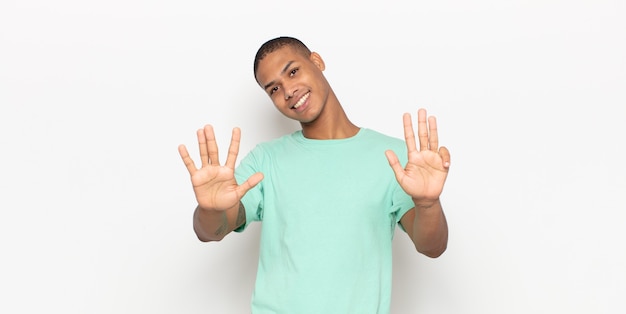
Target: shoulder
{"points": [[285, 140], [374, 136], [263, 153], [274, 145], [378, 142]]}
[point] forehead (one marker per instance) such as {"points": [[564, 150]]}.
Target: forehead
{"points": [[274, 63]]}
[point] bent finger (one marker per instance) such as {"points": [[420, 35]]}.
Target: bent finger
{"points": [[445, 156]]}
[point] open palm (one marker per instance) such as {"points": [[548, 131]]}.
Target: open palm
{"points": [[426, 170], [214, 185]]}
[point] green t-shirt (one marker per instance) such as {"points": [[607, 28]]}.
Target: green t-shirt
{"points": [[329, 209]]}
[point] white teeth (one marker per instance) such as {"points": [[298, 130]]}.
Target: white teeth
{"points": [[302, 100]]}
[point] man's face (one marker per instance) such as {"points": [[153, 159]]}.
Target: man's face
{"points": [[295, 83]]}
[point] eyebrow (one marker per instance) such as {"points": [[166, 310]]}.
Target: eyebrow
{"points": [[281, 72]]}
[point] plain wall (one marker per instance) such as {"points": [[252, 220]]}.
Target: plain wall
{"points": [[95, 97]]}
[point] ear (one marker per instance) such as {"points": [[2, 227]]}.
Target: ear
{"points": [[317, 60]]}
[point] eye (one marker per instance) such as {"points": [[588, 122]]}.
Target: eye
{"points": [[273, 90], [293, 71]]}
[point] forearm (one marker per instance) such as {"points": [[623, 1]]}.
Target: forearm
{"points": [[212, 225], [430, 229]]}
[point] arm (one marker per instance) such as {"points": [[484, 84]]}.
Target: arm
{"points": [[423, 178], [219, 209], [214, 225], [427, 228]]}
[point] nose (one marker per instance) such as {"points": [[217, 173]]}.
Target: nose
{"points": [[289, 92]]}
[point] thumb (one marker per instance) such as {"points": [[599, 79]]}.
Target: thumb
{"points": [[252, 181], [394, 162]]}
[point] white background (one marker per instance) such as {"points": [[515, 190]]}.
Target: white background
{"points": [[95, 97]]}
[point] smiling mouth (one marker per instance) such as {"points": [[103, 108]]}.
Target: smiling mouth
{"points": [[301, 101]]}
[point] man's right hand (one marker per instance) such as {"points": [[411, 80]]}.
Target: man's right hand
{"points": [[214, 185]]}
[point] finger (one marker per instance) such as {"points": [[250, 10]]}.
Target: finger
{"points": [[204, 154], [252, 181], [184, 154], [394, 163], [233, 149], [445, 156], [433, 137], [211, 143], [422, 129], [409, 135]]}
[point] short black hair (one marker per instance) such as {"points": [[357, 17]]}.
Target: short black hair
{"points": [[278, 43]]}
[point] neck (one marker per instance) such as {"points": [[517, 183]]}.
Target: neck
{"points": [[332, 124], [330, 133]]}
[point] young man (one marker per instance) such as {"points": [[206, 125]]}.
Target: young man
{"points": [[329, 195]]}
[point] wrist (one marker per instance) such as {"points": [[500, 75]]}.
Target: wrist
{"points": [[424, 204], [208, 210]]}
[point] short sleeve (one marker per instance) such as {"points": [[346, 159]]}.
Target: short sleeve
{"points": [[253, 199], [401, 202]]}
